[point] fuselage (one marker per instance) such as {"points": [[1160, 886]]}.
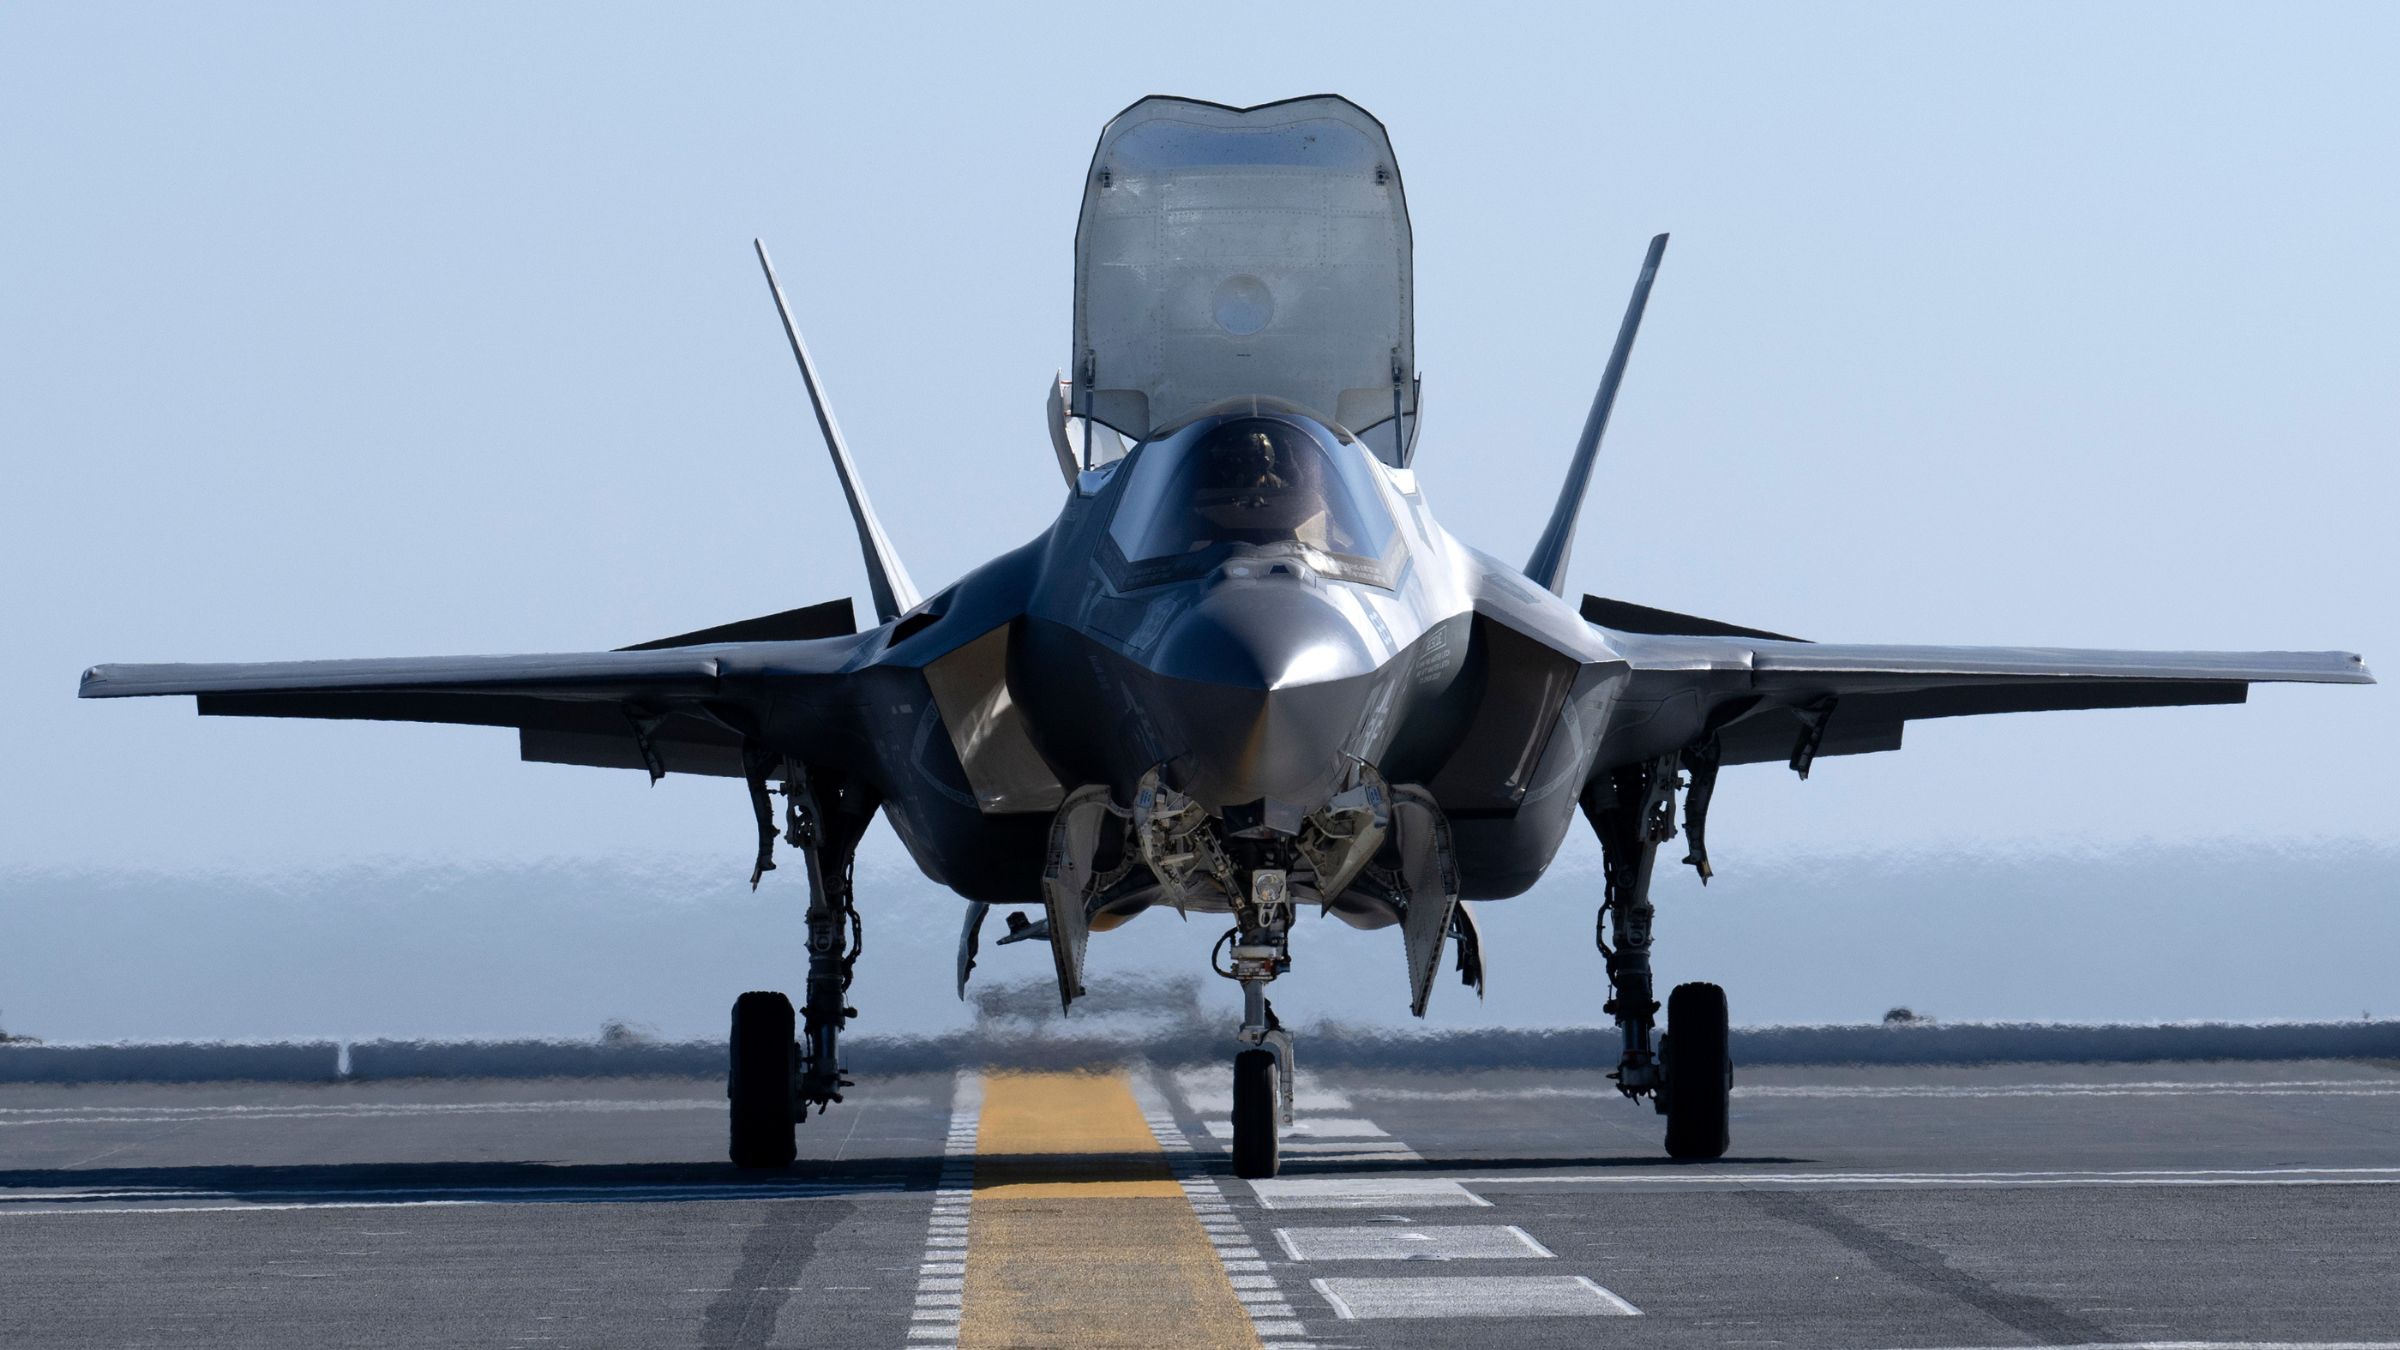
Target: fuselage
{"points": [[1245, 611]]}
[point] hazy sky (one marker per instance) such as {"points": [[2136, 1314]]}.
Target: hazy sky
{"points": [[344, 331]]}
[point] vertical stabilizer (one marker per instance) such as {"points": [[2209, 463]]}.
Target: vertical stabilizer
{"points": [[887, 580], [1548, 566]]}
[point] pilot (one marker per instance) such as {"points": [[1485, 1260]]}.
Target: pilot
{"points": [[1258, 481], [1242, 464]]}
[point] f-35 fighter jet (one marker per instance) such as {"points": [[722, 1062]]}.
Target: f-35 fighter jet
{"points": [[1244, 672]]}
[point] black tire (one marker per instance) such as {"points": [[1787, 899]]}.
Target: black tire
{"points": [[1699, 1063], [1255, 1150], [760, 1080]]}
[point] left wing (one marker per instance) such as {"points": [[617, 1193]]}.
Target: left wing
{"points": [[1768, 699], [679, 708]]}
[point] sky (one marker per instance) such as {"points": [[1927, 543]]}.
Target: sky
{"points": [[348, 331]]}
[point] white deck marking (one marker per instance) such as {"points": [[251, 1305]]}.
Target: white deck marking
{"points": [[1364, 1193], [1364, 1298], [2329, 1087], [1313, 1127], [22, 1204], [1384, 1242], [2297, 1087], [1522, 1094], [2262, 1176], [2203, 1345], [934, 1315], [21, 1116], [1360, 1147]]}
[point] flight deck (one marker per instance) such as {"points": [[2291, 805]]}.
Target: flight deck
{"points": [[1866, 1208]]}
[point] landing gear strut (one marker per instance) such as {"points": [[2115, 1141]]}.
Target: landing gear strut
{"points": [[1262, 1074], [775, 1078], [1687, 1075]]}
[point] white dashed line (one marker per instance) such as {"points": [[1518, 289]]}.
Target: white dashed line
{"points": [[1271, 1315], [941, 1274]]}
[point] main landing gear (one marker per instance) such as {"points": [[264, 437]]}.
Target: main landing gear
{"points": [[775, 1076], [1688, 1073]]}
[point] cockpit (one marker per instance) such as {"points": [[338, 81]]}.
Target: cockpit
{"points": [[1253, 478]]}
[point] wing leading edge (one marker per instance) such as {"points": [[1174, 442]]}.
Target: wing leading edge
{"points": [[1770, 700]]}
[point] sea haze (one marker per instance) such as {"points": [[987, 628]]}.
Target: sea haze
{"points": [[559, 947]]}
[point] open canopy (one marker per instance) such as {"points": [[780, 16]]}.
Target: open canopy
{"points": [[1232, 252]]}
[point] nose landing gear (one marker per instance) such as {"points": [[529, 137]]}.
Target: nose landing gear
{"points": [[1262, 1074]]}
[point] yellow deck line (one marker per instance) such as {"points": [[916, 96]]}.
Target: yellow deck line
{"points": [[1078, 1235]]}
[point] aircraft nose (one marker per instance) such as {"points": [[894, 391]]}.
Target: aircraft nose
{"points": [[1265, 698], [1268, 635]]}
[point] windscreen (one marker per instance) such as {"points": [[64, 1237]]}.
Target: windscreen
{"points": [[1247, 484]]}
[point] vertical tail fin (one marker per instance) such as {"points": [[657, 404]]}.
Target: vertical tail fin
{"points": [[1548, 566], [887, 580]]}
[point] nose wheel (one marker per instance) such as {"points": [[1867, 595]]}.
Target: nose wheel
{"points": [[1256, 1149]]}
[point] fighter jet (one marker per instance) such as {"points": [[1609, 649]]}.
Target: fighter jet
{"points": [[1244, 673]]}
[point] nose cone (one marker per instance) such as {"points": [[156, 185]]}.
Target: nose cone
{"points": [[1268, 636], [1265, 694]]}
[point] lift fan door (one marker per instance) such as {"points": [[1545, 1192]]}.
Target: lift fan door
{"points": [[1227, 253]]}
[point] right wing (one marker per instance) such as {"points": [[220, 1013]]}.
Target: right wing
{"points": [[677, 708], [1768, 699]]}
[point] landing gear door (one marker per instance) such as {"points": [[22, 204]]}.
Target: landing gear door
{"points": [[1245, 252]]}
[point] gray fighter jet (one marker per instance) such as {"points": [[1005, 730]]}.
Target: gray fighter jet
{"points": [[1244, 672]]}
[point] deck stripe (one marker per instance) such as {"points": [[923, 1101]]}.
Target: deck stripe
{"points": [[1271, 1314], [941, 1274], [1079, 1231]]}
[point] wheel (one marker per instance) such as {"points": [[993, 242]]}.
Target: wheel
{"points": [[1699, 1067], [760, 1080], [1254, 1142]]}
